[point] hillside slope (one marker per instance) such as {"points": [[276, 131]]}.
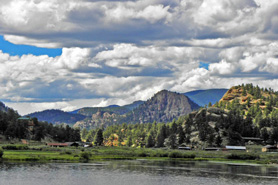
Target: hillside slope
{"points": [[250, 99]]}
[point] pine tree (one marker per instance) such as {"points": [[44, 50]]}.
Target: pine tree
{"points": [[150, 140], [161, 135], [171, 141], [129, 141], [98, 138], [181, 135], [244, 93], [264, 134], [209, 105]]}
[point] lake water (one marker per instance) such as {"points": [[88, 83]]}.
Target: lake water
{"points": [[137, 172]]}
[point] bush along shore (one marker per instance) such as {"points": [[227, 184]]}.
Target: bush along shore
{"points": [[23, 153]]}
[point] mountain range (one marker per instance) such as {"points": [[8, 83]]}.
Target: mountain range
{"points": [[164, 106]]}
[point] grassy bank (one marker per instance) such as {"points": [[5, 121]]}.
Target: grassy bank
{"points": [[72, 154]]}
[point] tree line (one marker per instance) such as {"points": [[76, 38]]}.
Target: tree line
{"points": [[14, 128], [138, 135]]}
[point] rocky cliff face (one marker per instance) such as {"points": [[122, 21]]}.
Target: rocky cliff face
{"points": [[164, 106], [98, 119]]}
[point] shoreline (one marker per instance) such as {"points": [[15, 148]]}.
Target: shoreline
{"points": [[77, 155]]}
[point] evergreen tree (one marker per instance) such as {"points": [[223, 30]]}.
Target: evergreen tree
{"points": [[161, 135], [264, 134], [209, 104], [129, 141], [174, 127], [99, 138], [218, 140], [171, 141], [244, 93], [150, 140], [274, 135], [181, 135]]}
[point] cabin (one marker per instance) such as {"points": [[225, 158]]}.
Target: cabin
{"points": [[270, 148], [184, 148], [67, 144], [239, 148], [57, 144]]}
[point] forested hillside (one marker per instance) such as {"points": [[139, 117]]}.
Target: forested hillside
{"points": [[13, 126], [256, 105], [244, 111]]}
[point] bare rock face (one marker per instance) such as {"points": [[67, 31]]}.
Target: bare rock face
{"points": [[164, 107]]}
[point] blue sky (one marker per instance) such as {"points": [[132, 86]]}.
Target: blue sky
{"points": [[72, 54], [14, 49], [203, 65]]}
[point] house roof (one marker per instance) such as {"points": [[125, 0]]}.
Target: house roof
{"points": [[236, 147], [57, 144]]}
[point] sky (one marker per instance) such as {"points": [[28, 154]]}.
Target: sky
{"points": [[71, 54]]}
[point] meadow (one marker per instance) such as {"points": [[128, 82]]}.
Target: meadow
{"points": [[42, 153]]}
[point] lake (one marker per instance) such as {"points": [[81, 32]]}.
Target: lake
{"points": [[136, 172]]}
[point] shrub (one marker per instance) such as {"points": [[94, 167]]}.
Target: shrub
{"points": [[159, 153], [85, 155], [243, 156], [142, 154], [15, 147], [175, 154], [66, 152], [1, 152], [192, 156]]}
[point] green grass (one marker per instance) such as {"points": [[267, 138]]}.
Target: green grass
{"points": [[71, 154]]}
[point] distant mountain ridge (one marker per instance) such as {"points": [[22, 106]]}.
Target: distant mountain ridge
{"points": [[57, 116], [111, 109], [164, 106], [203, 97]]}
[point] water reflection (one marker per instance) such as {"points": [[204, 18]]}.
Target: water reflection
{"points": [[137, 172]]}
